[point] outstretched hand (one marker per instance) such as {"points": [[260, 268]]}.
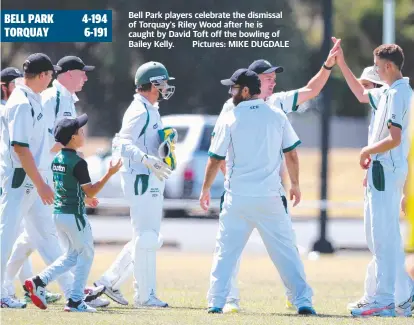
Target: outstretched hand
{"points": [[339, 54]]}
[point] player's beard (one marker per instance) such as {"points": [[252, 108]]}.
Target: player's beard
{"points": [[238, 98]]}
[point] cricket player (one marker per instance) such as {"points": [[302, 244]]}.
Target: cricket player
{"points": [[58, 102], [254, 196], [388, 289], [143, 177], [71, 182], [23, 149], [9, 76], [288, 102]]}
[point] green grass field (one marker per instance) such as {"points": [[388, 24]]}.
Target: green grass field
{"points": [[183, 283]]}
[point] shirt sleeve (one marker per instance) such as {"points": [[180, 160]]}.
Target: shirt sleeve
{"points": [[374, 97], [227, 107], [290, 139], [221, 140], [286, 100], [81, 173], [134, 125], [396, 110], [21, 125]]}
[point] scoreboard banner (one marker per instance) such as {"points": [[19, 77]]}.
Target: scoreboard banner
{"points": [[56, 26]]}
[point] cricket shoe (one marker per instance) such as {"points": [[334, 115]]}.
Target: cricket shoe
{"points": [[99, 303], [37, 291], [374, 309], [232, 306], [153, 301], [362, 302], [78, 306], [50, 296], [112, 293], [215, 310], [404, 309], [306, 310], [91, 293], [12, 303]]}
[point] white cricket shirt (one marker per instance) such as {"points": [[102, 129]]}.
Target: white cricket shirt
{"points": [[254, 136], [140, 126]]}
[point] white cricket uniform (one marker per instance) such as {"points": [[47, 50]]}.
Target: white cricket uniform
{"points": [[24, 125], [386, 280], [287, 102], [40, 230], [26, 270], [143, 190], [254, 197], [122, 267]]}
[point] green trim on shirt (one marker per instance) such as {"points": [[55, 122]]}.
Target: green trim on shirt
{"points": [[146, 122], [394, 124], [292, 146], [371, 101], [213, 155], [57, 103], [295, 101], [21, 144]]}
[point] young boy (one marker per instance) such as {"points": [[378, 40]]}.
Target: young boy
{"points": [[71, 181]]}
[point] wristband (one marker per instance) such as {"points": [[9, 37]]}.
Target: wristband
{"points": [[326, 67]]}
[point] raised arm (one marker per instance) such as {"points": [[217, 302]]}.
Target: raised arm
{"points": [[357, 89], [316, 84]]}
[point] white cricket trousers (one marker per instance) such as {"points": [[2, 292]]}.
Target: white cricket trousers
{"points": [[17, 196], [386, 280], [26, 270], [39, 234], [239, 216], [76, 235], [145, 194]]}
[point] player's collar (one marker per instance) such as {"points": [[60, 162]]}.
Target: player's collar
{"points": [[64, 91], [403, 80], [3, 102], [29, 92], [146, 101], [251, 102]]}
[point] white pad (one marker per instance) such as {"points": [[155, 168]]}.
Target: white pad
{"points": [[146, 245]]}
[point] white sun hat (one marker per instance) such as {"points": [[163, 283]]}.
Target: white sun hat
{"points": [[370, 75]]}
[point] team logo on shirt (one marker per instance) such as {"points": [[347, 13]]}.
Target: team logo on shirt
{"points": [[67, 114], [59, 168], [155, 126], [39, 116], [254, 107]]}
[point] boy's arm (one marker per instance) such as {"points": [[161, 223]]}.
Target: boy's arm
{"points": [[81, 173]]}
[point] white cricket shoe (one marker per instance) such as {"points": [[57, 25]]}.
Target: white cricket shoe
{"points": [[78, 306], [232, 306], [91, 293], [12, 303], [37, 292], [98, 303], [112, 293], [153, 301], [362, 302], [404, 309]]}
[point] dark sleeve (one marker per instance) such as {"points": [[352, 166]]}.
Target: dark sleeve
{"points": [[81, 172]]}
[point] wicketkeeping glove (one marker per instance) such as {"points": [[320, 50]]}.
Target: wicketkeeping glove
{"points": [[168, 137], [156, 166]]}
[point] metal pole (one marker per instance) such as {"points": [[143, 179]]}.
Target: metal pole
{"points": [[388, 22], [323, 245]]}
